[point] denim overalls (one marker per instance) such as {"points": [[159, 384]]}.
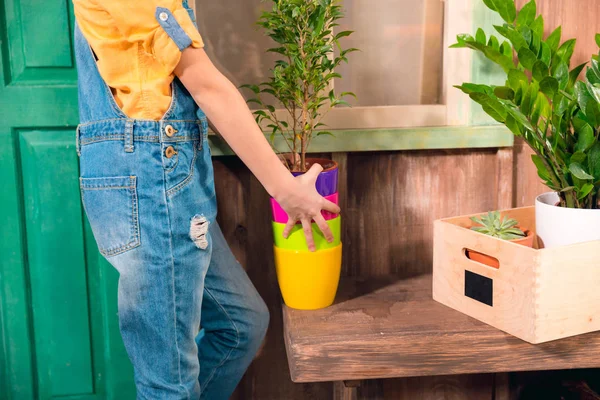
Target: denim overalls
{"points": [[148, 192]]}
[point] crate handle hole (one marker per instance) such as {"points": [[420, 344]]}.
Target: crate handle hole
{"points": [[479, 257]]}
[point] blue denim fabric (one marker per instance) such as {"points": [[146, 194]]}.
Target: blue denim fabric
{"points": [[172, 27], [153, 218]]}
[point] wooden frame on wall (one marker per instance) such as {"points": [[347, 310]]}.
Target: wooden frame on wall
{"points": [[410, 127], [455, 107]]}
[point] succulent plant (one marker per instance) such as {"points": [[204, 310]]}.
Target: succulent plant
{"points": [[494, 224]]}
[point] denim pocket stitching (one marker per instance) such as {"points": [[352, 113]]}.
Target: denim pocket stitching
{"points": [[187, 180], [134, 240], [170, 169]]}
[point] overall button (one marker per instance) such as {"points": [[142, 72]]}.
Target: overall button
{"points": [[163, 16], [169, 131], [170, 152]]}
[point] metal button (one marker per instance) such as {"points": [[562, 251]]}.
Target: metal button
{"points": [[163, 16], [170, 152], [169, 131]]}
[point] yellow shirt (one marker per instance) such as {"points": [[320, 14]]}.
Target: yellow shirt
{"points": [[138, 44]]}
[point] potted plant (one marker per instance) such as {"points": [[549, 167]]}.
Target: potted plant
{"points": [[501, 227], [301, 82], [545, 102]]}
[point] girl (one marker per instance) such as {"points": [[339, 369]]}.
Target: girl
{"points": [[146, 89]]}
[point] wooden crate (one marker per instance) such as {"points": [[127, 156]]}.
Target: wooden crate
{"points": [[537, 295]]}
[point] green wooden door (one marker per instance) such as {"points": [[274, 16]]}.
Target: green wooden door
{"points": [[59, 334]]}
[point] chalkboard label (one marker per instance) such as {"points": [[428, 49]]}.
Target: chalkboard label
{"points": [[479, 288]]}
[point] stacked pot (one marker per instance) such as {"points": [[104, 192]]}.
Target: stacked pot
{"points": [[309, 280]]}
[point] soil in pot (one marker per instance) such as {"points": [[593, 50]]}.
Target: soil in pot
{"points": [[492, 261], [327, 164]]}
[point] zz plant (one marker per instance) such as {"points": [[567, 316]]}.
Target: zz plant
{"points": [[543, 100], [301, 79]]}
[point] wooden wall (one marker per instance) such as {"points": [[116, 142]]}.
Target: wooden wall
{"points": [[389, 200]]}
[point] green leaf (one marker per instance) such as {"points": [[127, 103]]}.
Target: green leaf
{"points": [[491, 106], [594, 161], [594, 90], [254, 88], [480, 36], [574, 74], [535, 46], [527, 14], [541, 108], [578, 157], [577, 170], [598, 39], [520, 118], [585, 139], [469, 88], [554, 39], [527, 58], [529, 97], [585, 191], [513, 35], [513, 125], [561, 74], [541, 167], [343, 34], [565, 51], [343, 94], [515, 77], [527, 34], [490, 4], [519, 94], [504, 92], [539, 70], [545, 53], [506, 9], [494, 44], [506, 49], [538, 26], [593, 73], [325, 133], [549, 86]]}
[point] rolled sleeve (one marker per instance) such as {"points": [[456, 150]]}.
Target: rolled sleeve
{"points": [[175, 33], [164, 27], [138, 45]]}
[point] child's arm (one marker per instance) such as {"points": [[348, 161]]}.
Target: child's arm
{"points": [[227, 110]]}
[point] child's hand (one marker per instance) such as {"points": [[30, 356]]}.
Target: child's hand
{"points": [[303, 203], [228, 111]]}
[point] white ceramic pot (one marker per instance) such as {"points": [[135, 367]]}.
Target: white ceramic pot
{"points": [[559, 226]]}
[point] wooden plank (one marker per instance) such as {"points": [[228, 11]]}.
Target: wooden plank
{"points": [[342, 160], [393, 198], [527, 184], [358, 140], [379, 329], [342, 391], [450, 387], [504, 178]]}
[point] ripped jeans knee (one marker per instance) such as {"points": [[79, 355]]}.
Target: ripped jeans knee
{"points": [[199, 230]]}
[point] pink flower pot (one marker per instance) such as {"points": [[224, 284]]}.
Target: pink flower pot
{"points": [[281, 216]]}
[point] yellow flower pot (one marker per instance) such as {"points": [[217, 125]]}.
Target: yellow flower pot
{"points": [[297, 240], [308, 280]]}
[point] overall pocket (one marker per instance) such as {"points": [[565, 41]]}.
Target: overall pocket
{"points": [[111, 205]]}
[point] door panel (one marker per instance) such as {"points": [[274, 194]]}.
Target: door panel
{"points": [[55, 257], [59, 334]]}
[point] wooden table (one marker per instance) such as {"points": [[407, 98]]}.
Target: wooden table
{"points": [[390, 328]]}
